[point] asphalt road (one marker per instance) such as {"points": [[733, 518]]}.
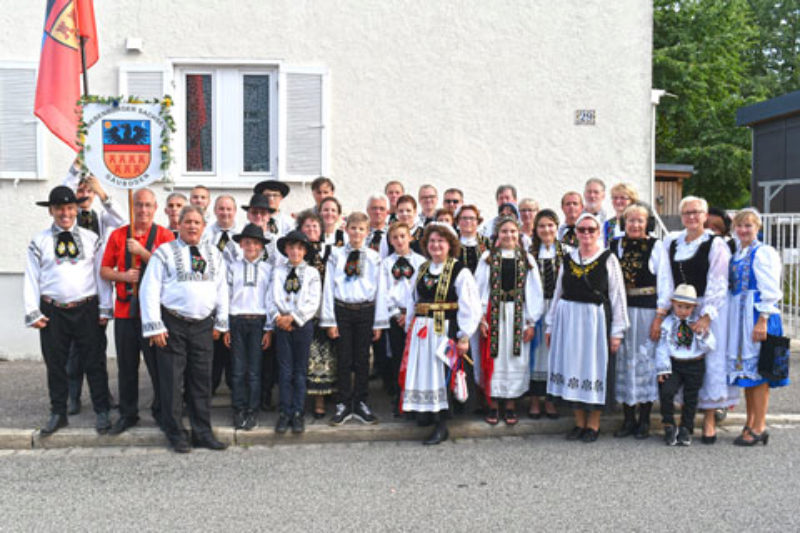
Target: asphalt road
{"points": [[509, 484]]}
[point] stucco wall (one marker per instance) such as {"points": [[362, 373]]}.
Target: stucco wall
{"points": [[464, 93]]}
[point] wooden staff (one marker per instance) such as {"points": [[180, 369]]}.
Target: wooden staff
{"points": [[134, 257]]}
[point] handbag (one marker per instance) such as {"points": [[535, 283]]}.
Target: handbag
{"points": [[460, 391], [773, 359]]}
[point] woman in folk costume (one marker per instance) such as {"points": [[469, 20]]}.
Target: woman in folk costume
{"points": [[443, 309], [645, 270], [585, 326], [322, 354], [330, 211], [622, 195], [700, 259], [548, 253], [511, 293], [754, 295]]}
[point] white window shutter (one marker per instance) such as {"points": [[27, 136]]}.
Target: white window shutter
{"points": [[144, 81], [18, 126], [306, 129]]}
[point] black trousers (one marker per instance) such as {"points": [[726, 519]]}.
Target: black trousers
{"points": [[129, 341], [352, 347], [65, 327], [222, 364], [397, 343], [689, 375], [188, 355], [75, 371]]}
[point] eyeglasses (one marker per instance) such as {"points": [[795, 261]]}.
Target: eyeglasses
{"points": [[694, 213], [625, 198], [586, 230], [468, 219], [451, 201]]}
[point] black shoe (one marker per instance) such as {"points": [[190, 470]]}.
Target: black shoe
{"points": [[250, 420], [575, 433], [590, 435], [670, 435], [123, 423], [363, 413], [74, 406], [102, 423], [684, 437], [238, 419], [627, 429], [642, 431], [55, 423], [208, 441], [298, 423], [708, 439], [342, 415], [283, 423], [180, 446], [437, 437]]}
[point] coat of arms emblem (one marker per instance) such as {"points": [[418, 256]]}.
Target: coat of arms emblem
{"points": [[126, 147]]}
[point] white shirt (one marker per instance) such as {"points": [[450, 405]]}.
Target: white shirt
{"points": [[357, 289], [64, 280], [303, 304], [533, 306], [284, 222], [668, 345], [397, 290], [169, 281], [248, 285], [113, 215], [718, 259], [213, 233]]}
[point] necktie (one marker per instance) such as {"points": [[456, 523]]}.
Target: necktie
{"points": [[292, 283], [223, 240], [198, 263], [272, 226], [402, 269], [570, 237], [351, 267], [65, 246], [375, 242], [685, 334]]}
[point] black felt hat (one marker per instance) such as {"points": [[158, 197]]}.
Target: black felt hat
{"points": [[258, 200], [61, 195], [272, 185], [294, 236], [251, 231]]}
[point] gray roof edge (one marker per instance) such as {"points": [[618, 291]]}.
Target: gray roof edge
{"points": [[675, 168], [786, 104]]}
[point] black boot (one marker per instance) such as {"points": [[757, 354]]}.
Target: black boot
{"points": [[439, 435], [643, 427], [629, 425]]}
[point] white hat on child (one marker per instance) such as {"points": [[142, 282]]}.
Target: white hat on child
{"points": [[685, 293]]}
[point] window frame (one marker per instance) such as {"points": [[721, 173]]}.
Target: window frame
{"points": [[38, 174]]}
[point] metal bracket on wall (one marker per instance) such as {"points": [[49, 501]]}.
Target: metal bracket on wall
{"points": [[772, 188]]}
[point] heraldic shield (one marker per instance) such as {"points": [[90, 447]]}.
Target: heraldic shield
{"points": [[126, 147]]}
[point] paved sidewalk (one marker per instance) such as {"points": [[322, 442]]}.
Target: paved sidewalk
{"points": [[24, 407]]}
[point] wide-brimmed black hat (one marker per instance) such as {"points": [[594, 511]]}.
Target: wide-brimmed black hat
{"points": [[272, 185], [62, 195], [294, 236], [259, 201], [251, 231]]}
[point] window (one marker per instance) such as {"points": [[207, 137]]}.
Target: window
{"points": [[240, 123], [20, 131]]}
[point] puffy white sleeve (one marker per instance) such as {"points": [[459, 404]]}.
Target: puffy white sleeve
{"points": [[310, 296], [548, 320], [667, 286], [327, 316], [384, 286], [223, 298], [30, 287], [469, 304], [534, 295], [381, 320], [105, 289], [150, 295], [717, 286], [659, 265], [663, 361], [113, 215], [482, 279], [617, 299], [767, 269]]}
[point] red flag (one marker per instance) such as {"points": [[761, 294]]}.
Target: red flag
{"points": [[58, 86]]}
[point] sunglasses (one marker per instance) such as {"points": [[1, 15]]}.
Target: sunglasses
{"points": [[586, 230], [451, 201]]}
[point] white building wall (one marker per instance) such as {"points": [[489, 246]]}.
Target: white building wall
{"points": [[459, 93]]}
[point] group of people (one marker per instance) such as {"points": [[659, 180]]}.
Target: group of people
{"points": [[457, 314]]}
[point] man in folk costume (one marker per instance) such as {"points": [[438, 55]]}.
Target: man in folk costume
{"points": [[66, 302], [127, 253], [275, 191], [511, 293], [572, 206], [175, 202], [184, 297]]}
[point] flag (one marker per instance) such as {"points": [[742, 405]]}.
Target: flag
{"points": [[58, 86]]}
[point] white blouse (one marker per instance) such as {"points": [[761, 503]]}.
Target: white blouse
{"points": [[303, 304], [248, 283], [397, 290], [358, 289]]}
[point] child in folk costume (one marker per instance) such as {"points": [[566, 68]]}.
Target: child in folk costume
{"points": [[354, 312], [293, 303], [681, 362], [406, 212], [248, 283], [443, 310], [548, 253], [322, 356], [645, 269], [398, 273], [511, 293]]}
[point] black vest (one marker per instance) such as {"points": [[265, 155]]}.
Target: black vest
{"points": [[692, 271], [428, 295], [635, 257], [592, 287]]}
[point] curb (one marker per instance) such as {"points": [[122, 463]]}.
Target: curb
{"points": [[29, 439]]}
